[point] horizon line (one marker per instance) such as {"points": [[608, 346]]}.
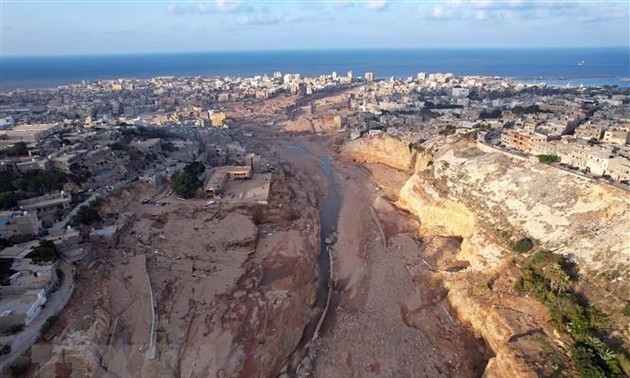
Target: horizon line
{"points": [[68, 55]]}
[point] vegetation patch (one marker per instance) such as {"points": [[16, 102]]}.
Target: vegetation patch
{"points": [[552, 278], [523, 246], [548, 159], [44, 253], [531, 109], [18, 149], [15, 186], [490, 113], [88, 215], [5, 271], [16, 328], [19, 368], [186, 183], [15, 239], [143, 133], [169, 147], [5, 349]]}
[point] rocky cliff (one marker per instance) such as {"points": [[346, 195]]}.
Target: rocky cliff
{"points": [[490, 200], [393, 152]]}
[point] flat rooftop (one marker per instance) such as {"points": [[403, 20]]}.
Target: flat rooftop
{"points": [[254, 190], [17, 304], [19, 251]]}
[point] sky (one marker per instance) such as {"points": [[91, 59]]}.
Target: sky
{"points": [[69, 27]]}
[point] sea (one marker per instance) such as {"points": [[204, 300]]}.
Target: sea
{"points": [[559, 67]]}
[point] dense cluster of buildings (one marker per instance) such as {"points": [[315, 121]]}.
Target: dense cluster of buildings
{"points": [[93, 139], [187, 101], [586, 129]]}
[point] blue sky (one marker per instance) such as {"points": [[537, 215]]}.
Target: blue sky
{"points": [[48, 27]]}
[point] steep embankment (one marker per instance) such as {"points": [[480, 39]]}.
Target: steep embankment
{"points": [[392, 152], [491, 200]]}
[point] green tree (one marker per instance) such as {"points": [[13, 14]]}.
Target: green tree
{"points": [[87, 215], [186, 184], [45, 252], [548, 159], [195, 168], [585, 360], [39, 182], [18, 149], [559, 280]]}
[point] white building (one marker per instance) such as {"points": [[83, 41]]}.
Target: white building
{"points": [[6, 122], [459, 92], [21, 310]]}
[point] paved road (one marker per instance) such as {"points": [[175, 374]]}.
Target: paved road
{"points": [[62, 223], [96, 194], [55, 303]]}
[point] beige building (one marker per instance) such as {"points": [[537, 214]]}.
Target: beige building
{"points": [[595, 159], [64, 161], [217, 119], [32, 133], [152, 145], [618, 135], [539, 147], [14, 223], [619, 169], [47, 206], [24, 293], [31, 276], [220, 175], [589, 132]]}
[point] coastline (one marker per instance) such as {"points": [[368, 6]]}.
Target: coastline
{"points": [[601, 67], [554, 82]]}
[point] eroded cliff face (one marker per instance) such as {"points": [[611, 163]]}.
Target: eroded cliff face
{"points": [[491, 200], [384, 149]]}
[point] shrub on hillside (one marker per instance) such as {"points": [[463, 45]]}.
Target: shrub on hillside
{"points": [[524, 245]]}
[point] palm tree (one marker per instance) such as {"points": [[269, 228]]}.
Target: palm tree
{"points": [[559, 280]]}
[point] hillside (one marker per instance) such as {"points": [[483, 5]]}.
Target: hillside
{"points": [[490, 201]]}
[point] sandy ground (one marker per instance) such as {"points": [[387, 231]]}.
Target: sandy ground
{"points": [[391, 319], [235, 285]]}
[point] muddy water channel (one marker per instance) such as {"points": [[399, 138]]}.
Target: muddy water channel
{"points": [[394, 319], [328, 216]]}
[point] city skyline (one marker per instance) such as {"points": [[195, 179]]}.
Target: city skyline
{"points": [[122, 27]]}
